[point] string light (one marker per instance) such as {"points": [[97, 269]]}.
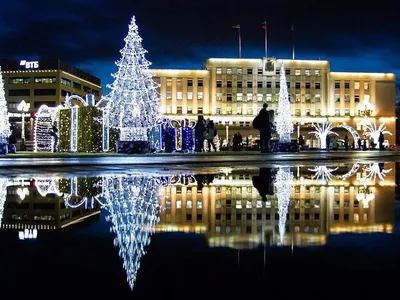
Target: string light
{"points": [[3, 196], [4, 123], [322, 131], [134, 100], [283, 182], [43, 124], [323, 172], [284, 125]]}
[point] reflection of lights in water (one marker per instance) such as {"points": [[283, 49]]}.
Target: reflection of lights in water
{"points": [[353, 171], [46, 186], [28, 234], [133, 206], [283, 182], [323, 172], [373, 170], [3, 195], [22, 193], [365, 195]]}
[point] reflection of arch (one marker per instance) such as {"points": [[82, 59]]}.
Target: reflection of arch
{"points": [[353, 171], [88, 201], [46, 186], [352, 131]]}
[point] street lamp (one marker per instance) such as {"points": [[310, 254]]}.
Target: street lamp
{"points": [[23, 107], [366, 108]]}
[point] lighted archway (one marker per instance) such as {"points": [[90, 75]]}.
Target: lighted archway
{"points": [[352, 131]]}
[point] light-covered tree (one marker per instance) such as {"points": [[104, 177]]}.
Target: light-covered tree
{"points": [[4, 123], [284, 124], [322, 131]]}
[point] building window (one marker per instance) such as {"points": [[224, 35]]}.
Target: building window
{"points": [[239, 84], [179, 110], [277, 85], [318, 112], [268, 98], [308, 112], [45, 79], [45, 92], [219, 96], [317, 98], [308, 98], [308, 85], [366, 85], [298, 98], [239, 71], [21, 92], [269, 84], [169, 95], [190, 82], [87, 89], [189, 110], [200, 109], [307, 72], [356, 98], [249, 71], [199, 95], [229, 71], [259, 71], [249, 96], [337, 98], [287, 72], [219, 70], [228, 97], [297, 112], [347, 85], [179, 96], [229, 111], [249, 84], [219, 83], [346, 98], [179, 82], [190, 95], [259, 97], [239, 97], [13, 105], [337, 84], [38, 104], [259, 84], [357, 85], [297, 72], [239, 110], [317, 72], [229, 84], [169, 109], [347, 112], [19, 80], [189, 204], [199, 82], [249, 111], [76, 85], [298, 85], [66, 82], [317, 86], [337, 112], [218, 112]]}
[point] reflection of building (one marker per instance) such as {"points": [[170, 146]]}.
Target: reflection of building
{"points": [[230, 211], [43, 82], [232, 91], [41, 212]]}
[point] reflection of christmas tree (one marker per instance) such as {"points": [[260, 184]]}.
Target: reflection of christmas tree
{"points": [[283, 181], [4, 124], [3, 194], [133, 206], [134, 100]]}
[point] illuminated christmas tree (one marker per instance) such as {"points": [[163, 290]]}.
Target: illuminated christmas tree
{"points": [[4, 123], [134, 100], [133, 206], [3, 195], [283, 183], [284, 125]]}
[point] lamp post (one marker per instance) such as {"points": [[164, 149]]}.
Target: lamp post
{"points": [[23, 107]]}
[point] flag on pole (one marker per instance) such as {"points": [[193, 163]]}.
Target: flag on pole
{"points": [[236, 26], [264, 25]]}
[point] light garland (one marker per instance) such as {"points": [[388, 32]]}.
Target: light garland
{"points": [[3, 196], [134, 100], [4, 123], [323, 172], [43, 125], [374, 131], [283, 183], [46, 186], [284, 125], [322, 131]]}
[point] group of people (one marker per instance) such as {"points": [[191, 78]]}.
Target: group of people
{"points": [[205, 130]]}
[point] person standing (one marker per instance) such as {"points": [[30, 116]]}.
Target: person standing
{"points": [[199, 130], [381, 140], [209, 135], [262, 123], [301, 142], [54, 133]]}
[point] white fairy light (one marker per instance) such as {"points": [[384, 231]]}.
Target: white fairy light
{"points": [[322, 131], [3, 195], [373, 171], [134, 100], [374, 131], [284, 125], [46, 186], [43, 124], [323, 172], [4, 123], [283, 183]]}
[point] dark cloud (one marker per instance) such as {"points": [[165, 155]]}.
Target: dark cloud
{"points": [[182, 34]]}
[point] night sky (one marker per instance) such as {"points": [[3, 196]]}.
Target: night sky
{"points": [[352, 35]]}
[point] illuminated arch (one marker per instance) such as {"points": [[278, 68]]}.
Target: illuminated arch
{"points": [[352, 131], [349, 174]]}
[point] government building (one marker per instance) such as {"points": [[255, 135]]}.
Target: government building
{"points": [[42, 82], [231, 92]]}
